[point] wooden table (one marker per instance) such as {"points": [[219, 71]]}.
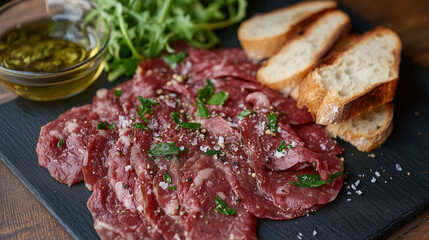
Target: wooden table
{"points": [[23, 217]]}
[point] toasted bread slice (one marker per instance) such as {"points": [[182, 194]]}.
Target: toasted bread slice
{"points": [[343, 43], [284, 70], [355, 80], [366, 131], [263, 35]]}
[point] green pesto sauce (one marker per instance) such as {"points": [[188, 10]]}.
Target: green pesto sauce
{"points": [[31, 48]]}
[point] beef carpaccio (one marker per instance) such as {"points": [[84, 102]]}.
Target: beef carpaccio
{"points": [[193, 150]]}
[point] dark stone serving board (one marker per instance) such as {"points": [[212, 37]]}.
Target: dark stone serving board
{"points": [[389, 202]]}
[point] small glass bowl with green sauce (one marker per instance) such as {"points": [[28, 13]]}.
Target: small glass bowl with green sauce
{"points": [[51, 49]]}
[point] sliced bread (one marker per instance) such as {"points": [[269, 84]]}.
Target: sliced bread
{"points": [[263, 35], [343, 43], [366, 131], [355, 80], [284, 70]]}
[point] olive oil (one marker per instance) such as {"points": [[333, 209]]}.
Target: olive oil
{"points": [[55, 57]]}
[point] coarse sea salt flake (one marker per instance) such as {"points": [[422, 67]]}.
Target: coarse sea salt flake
{"points": [[278, 154], [127, 168], [398, 167], [373, 180], [314, 233], [377, 174], [359, 192]]}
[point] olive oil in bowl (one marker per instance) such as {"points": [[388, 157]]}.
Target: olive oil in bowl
{"points": [[52, 58]]}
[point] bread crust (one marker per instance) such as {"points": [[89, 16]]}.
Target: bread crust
{"points": [[328, 108], [260, 48], [287, 84], [362, 141]]}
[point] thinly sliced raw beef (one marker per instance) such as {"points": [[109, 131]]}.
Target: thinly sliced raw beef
{"points": [[155, 177], [276, 185], [64, 161], [201, 186], [112, 220]]}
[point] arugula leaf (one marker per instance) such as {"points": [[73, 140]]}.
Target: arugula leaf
{"points": [[212, 152], [272, 125], [144, 29], [167, 177], [189, 125], [313, 180], [223, 208], [218, 99], [245, 113], [172, 188], [164, 149], [173, 59]]}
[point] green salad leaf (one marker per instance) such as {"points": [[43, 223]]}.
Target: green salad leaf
{"points": [[144, 29]]}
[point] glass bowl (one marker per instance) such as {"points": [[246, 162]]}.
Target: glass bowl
{"points": [[70, 20]]}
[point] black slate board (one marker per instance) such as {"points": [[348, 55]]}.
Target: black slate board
{"points": [[395, 196]]}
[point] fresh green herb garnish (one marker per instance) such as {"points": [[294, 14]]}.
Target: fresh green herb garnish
{"points": [[245, 113], [283, 146], [166, 150], [141, 126], [272, 125], [173, 59], [313, 180], [145, 108], [60, 143], [212, 152], [205, 92], [205, 95], [223, 208], [218, 99], [144, 29], [189, 125], [103, 125], [172, 188], [118, 92], [167, 178], [203, 111]]}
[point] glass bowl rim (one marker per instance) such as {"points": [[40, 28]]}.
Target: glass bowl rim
{"points": [[64, 70]]}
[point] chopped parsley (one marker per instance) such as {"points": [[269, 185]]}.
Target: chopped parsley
{"points": [[60, 143], [212, 152], [172, 188], [223, 208], [245, 113], [272, 119], [189, 125], [141, 126], [205, 96], [203, 111], [145, 108], [218, 99], [283, 147], [118, 92], [173, 59], [166, 150], [313, 180], [105, 125], [167, 178]]}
